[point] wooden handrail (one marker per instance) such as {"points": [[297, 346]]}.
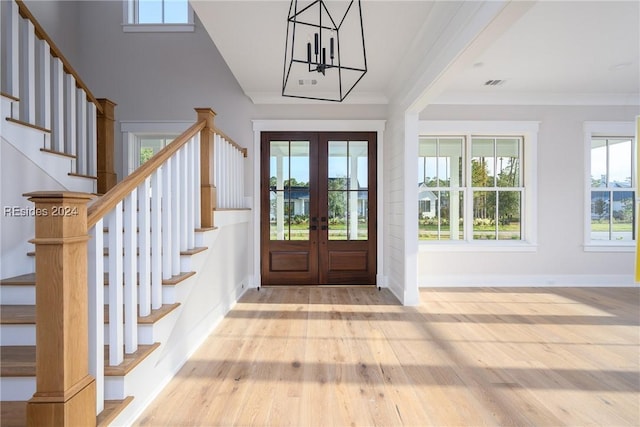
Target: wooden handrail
{"points": [[231, 141], [114, 196], [42, 35]]}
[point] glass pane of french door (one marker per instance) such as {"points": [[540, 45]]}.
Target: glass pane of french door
{"points": [[348, 190], [289, 190]]}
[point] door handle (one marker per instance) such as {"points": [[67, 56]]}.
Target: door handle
{"points": [[314, 219], [313, 227], [324, 227]]}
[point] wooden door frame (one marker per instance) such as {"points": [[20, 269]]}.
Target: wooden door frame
{"points": [[260, 126]]}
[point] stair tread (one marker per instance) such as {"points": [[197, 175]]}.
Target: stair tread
{"points": [[29, 279], [17, 314], [14, 414], [111, 410], [26, 314], [20, 360]]}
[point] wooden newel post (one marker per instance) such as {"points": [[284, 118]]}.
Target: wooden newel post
{"points": [[65, 392], [106, 171], [207, 188]]}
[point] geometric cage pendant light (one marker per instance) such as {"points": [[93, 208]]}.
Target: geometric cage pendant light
{"points": [[325, 55]]}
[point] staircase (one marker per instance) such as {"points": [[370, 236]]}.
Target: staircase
{"points": [[122, 287]]}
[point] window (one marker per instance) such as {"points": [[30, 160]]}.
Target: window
{"points": [[144, 139], [472, 187], [157, 15], [148, 145], [611, 188]]}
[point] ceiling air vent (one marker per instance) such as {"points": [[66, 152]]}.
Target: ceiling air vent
{"points": [[494, 82]]}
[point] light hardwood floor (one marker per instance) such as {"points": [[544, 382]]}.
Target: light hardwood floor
{"points": [[464, 357]]}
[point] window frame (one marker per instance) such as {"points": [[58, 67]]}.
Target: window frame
{"points": [[130, 24], [528, 131], [599, 129]]}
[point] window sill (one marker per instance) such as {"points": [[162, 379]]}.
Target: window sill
{"points": [[464, 246], [158, 28], [610, 247]]}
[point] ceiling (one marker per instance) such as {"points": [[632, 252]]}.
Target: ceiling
{"points": [[583, 52]]}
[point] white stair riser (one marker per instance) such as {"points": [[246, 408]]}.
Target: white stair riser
{"points": [[18, 295], [17, 388], [17, 335]]}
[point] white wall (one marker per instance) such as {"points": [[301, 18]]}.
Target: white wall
{"points": [[560, 258]]}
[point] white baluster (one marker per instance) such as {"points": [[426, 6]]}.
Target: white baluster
{"points": [[81, 131], [95, 283], [166, 219], [10, 37], [92, 140], [225, 174], [217, 155], [43, 85], [130, 273], [70, 115], [144, 239], [116, 298], [27, 72], [191, 192], [184, 199], [156, 239], [175, 214], [196, 193], [57, 105]]}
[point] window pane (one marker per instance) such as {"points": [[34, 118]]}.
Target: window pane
{"points": [[509, 215], [598, 163], [427, 150], [508, 159], [450, 163], [358, 164], [600, 224], [484, 214], [620, 155], [338, 218], [176, 12], [482, 162], [357, 228], [150, 11], [622, 227], [338, 165]]}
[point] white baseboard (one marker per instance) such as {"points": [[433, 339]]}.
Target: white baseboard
{"points": [[503, 280]]}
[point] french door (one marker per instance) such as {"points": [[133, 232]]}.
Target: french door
{"points": [[318, 208]]}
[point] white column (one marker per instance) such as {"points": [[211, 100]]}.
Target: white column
{"points": [[196, 174], [454, 200], [279, 198], [353, 199]]}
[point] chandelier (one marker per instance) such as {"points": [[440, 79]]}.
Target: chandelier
{"points": [[325, 56]]}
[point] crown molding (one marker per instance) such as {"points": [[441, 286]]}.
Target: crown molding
{"points": [[356, 98]]}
